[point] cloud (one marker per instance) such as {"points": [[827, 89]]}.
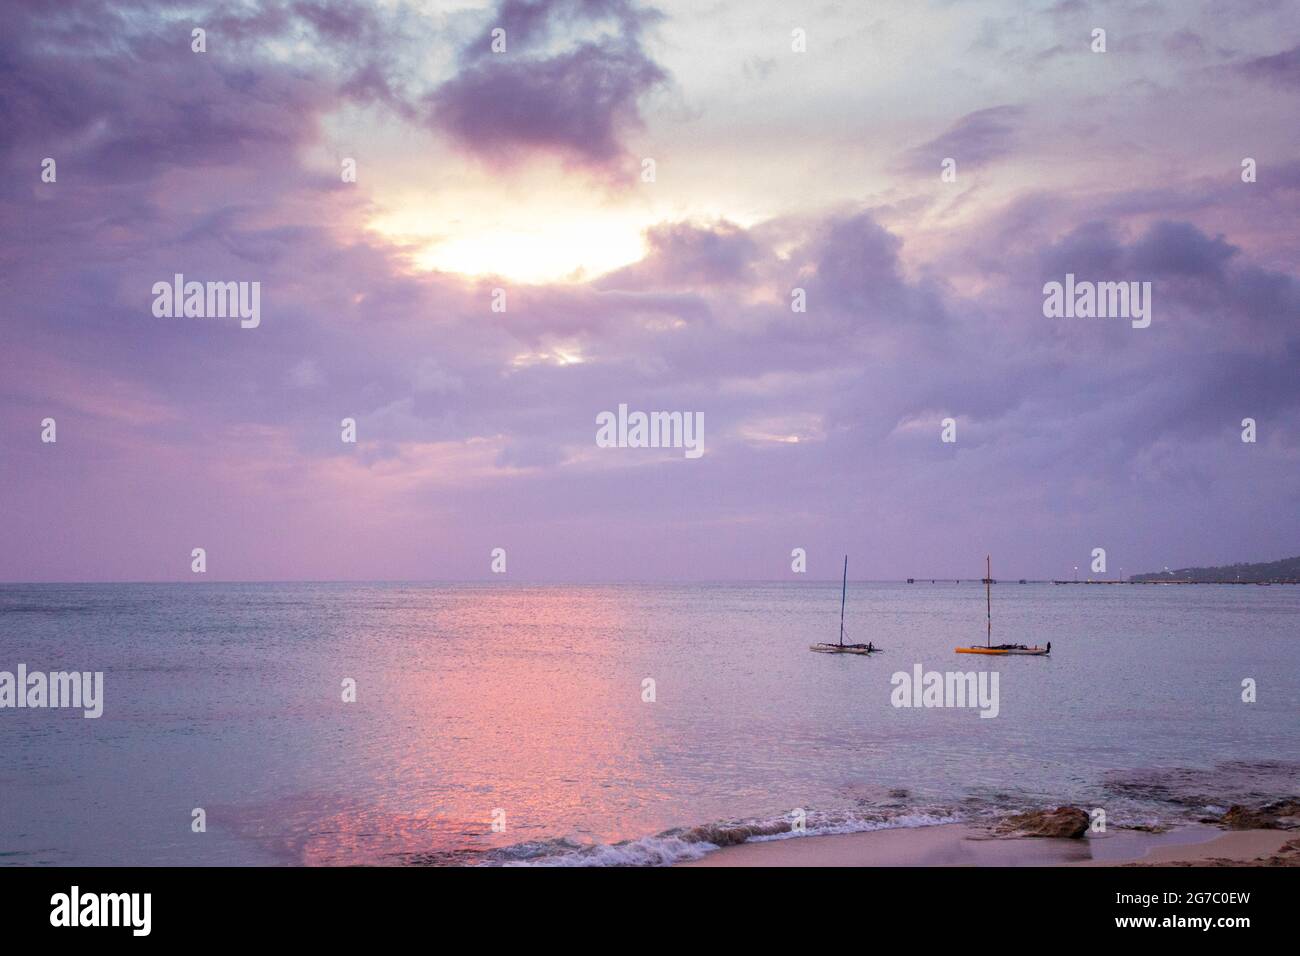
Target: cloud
{"points": [[243, 102], [576, 103], [975, 140], [474, 424], [689, 255], [1280, 69]]}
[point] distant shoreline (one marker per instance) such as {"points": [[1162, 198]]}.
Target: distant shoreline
{"points": [[1283, 571]]}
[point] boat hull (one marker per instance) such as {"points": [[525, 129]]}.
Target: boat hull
{"points": [[1000, 652], [840, 649]]}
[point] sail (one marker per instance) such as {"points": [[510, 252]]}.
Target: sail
{"points": [[844, 590]]}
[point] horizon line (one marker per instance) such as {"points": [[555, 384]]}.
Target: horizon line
{"points": [[593, 581]]}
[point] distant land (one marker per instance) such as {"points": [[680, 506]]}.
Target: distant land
{"points": [[1286, 571]]}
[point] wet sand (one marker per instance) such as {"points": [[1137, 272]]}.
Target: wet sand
{"points": [[961, 845]]}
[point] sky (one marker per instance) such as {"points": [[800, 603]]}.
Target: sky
{"points": [[792, 146]]}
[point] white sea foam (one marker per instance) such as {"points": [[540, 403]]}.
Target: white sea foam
{"points": [[647, 851], [676, 846], [902, 822]]}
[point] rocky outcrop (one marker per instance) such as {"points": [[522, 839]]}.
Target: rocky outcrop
{"points": [[1280, 815], [1069, 822]]}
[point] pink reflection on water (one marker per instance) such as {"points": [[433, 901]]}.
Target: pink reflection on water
{"points": [[525, 701]]}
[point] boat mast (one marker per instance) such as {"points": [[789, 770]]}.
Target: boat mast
{"points": [[844, 590], [988, 599]]}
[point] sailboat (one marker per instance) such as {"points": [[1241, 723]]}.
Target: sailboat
{"points": [[989, 647], [841, 647]]}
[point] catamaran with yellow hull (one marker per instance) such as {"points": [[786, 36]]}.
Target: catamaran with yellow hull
{"points": [[999, 649], [1005, 649]]}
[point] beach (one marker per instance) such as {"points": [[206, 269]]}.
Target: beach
{"points": [[963, 845]]}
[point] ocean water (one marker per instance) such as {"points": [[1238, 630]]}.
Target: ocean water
{"points": [[523, 706]]}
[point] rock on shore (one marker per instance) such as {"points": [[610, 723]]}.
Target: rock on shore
{"points": [[1068, 822], [1280, 815]]}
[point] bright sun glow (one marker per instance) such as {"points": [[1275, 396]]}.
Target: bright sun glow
{"points": [[550, 254], [534, 250]]}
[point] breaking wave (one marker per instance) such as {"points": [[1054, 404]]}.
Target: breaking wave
{"points": [[1157, 799], [691, 843]]}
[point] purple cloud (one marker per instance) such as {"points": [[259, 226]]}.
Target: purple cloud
{"points": [[475, 426], [975, 140], [1281, 69], [690, 255], [577, 103]]}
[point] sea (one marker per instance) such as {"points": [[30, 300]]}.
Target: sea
{"points": [[421, 724]]}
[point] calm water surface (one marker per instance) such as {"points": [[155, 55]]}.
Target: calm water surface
{"points": [[528, 700]]}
